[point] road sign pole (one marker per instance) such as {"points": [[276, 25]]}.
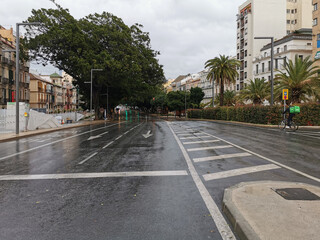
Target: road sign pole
{"points": [[284, 109]]}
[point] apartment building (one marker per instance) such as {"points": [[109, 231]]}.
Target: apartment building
{"points": [[8, 71], [316, 32], [41, 94], [298, 43], [260, 18]]}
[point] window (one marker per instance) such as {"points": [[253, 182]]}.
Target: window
{"points": [[318, 37], [245, 64], [278, 50], [288, 32], [245, 43], [295, 11], [276, 62], [269, 65], [262, 67], [237, 87], [269, 78], [315, 7], [245, 53], [309, 44], [285, 48], [245, 75], [301, 57], [292, 11], [257, 68], [238, 56], [288, 21], [288, 11], [315, 21]]}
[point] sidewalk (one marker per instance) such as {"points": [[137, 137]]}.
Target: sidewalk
{"points": [[273, 210], [12, 136]]}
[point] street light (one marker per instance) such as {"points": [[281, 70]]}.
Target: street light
{"points": [[213, 93], [97, 70], [271, 64], [17, 69]]}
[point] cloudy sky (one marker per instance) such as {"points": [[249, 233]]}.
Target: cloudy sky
{"points": [[186, 32]]}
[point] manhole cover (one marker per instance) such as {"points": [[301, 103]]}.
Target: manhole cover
{"points": [[297, 194]]}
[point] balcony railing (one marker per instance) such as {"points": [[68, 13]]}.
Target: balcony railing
{"points": [[5, 60]]}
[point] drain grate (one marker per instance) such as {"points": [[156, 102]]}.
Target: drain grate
{"points": [[297, 194]]}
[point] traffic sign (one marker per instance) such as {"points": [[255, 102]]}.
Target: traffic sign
{"points": [[285, 94]]}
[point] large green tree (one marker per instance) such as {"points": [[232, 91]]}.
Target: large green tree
{"points": [[256, 91], [222, 70], [196, 96], [301, 78], [131, 70]]}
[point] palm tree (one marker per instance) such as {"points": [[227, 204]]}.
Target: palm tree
{"points": [[301, 78], [256, 91], [222, 70], [229, 98]]}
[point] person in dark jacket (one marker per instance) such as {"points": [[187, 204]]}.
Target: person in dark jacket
{"points": [[290, 117]]}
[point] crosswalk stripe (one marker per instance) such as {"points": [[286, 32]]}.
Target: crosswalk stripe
{"points": [[240, 171], [185, 138], [225, 156], [208, 148], [206, 141]]}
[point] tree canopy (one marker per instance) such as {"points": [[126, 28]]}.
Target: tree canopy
{"points": [[131, 73]]}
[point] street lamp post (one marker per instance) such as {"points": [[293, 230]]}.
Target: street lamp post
{"points": [[213, 93], [98, 70], [17, 69], [271, 63]]}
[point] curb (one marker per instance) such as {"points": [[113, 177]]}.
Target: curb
{"points": [[240, 225], [43, 131]]}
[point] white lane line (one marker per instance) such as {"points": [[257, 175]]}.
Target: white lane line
{"points": [[208, 148], [126, 132], [240, 171], [92, 155], [50, 143], [92, 175], [108, 144], [215, 213], [185, 138], [196, 142], [118, 137], [225, 156], [268, 159], [185, 134]]}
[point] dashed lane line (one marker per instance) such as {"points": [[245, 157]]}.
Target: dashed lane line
{"points": [[215, 213], [92, 175], [185, 138], [197, 142], [240, 171], [57, 141], [224, 156], [208, 148], [108, 144], [92, 155]]}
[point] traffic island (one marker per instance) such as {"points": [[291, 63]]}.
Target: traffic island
{"points": [[273, 210]]}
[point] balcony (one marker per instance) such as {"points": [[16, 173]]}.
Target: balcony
{"points": [[3, 100], [5, 80], [4, 60], [11, 62]]}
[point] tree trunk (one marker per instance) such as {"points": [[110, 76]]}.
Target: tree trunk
{"points": [[96, 105], [221, 92]]}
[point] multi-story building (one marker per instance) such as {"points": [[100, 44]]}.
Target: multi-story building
{"points": [[168, 85], [286, 48], [71, 91], [316, 32], [41, 92], [260, 18], [8, 71], [177, 83]]}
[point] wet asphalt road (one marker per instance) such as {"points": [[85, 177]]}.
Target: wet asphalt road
{"points": [[79, 202]]}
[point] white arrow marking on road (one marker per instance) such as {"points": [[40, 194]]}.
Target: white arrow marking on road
{"points": [[98, 136], [147, 135]]}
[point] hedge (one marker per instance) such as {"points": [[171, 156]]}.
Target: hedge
{"points": [[309, 115]]}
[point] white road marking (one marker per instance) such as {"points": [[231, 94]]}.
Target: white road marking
{"points": [[208, 148], [185, 134], [118, 137], [126, 132], [225, 156], [306, 135], [50, 143], [92, 175], [215, 213], [185, 138], [108, 144], [97, 136], [92, 155], [268, 159], [240, 171], [196, 142]]}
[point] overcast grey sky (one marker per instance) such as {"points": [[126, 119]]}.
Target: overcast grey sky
{"points": [[186, 32]]}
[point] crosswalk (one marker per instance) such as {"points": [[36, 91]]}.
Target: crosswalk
{"points": [[197, 142]]}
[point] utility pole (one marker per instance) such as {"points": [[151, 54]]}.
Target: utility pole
{"points": [[99, 70], [17, 69], [271, 64]]}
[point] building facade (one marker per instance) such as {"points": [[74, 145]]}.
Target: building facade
{"points": [[260, 18], [285, 49], [316, 32], [8, 71]]}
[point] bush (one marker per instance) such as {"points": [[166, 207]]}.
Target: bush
{"points": [[309, 115]]}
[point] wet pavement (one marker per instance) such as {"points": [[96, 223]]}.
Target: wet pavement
{"points": [[157, 193]]}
